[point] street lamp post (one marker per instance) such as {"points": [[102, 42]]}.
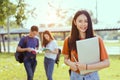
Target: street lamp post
{"points": [[8, 32], [8, 28]]}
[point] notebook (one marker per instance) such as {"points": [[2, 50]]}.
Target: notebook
{"points": [[88, 52]]}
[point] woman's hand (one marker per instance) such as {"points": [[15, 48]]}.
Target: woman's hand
{"points": [[68, 62], [73, 66], [81, 66]]}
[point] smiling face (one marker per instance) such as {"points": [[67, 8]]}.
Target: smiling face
{"points": [[81, 23]]}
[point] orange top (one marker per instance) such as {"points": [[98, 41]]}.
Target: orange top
{"points": [[103, 52]]}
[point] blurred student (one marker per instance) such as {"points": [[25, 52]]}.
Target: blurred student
{"points": [[32, 43], [49, 43], [82, 29]]}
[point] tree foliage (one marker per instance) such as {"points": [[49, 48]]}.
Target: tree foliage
{"points": [[6, 9], [20, 13]]}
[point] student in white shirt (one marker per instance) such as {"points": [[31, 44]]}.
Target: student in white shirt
{"points": [[50, 55]]}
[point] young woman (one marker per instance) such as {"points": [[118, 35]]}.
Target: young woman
{"points": [[82, 29], [50, 44]]}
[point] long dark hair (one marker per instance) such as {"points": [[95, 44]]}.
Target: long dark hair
{"points": [[44, 41], [74, 36]]}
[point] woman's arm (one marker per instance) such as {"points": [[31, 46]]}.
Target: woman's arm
{"points": [[54, 51], [99, 65], [72, 65], [95, 66]]}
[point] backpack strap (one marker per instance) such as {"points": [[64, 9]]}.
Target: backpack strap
{"points": [[25, 41]]}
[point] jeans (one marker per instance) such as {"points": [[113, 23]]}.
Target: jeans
{"points": [[49, 66], [91, 76], [30, 65]]}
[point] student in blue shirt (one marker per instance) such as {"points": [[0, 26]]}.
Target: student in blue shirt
{"points": [[32, 43]]}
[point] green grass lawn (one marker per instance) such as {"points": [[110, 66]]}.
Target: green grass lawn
{"points": [[12, 70], [117, 44]]}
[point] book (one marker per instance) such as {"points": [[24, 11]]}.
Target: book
{"points": [[45, 49], [88, 52]]}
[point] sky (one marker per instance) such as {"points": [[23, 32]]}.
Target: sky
{"points": [[107, 10]]}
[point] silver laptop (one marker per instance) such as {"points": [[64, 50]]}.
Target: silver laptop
{"points": [[88, 52]]}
